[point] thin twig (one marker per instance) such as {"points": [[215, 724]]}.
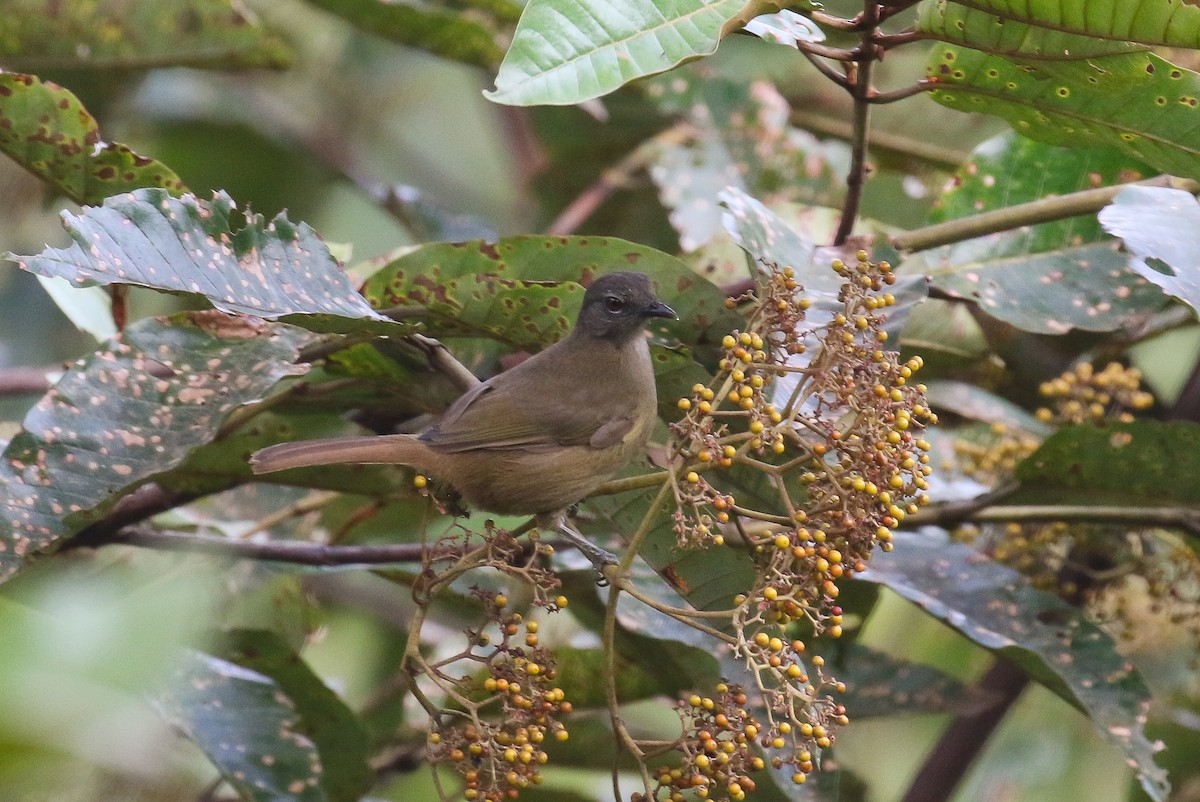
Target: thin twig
{"points": [[1045, 210], [616, 177], [26, 380], [962, 741], [1186, 518], [878, 140], [862, 122], [828, 71], [880, 98], [295, 552], [442, 360]]}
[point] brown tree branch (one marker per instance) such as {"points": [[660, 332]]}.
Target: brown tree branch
{"points": [[1044, 210], [861, 81], [962, 741], [295, 552]]}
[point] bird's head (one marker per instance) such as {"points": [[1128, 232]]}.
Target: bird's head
{"points": [[618, 305]]}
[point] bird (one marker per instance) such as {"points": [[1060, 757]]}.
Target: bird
{"points": [[537, 438]]}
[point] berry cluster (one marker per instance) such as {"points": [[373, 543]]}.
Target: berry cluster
{"points": [[1082, 395], [500, 754], [1129, 582], [831, 418], [718, 751]]}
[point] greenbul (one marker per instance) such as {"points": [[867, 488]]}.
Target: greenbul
{"points": [[535, 439]]}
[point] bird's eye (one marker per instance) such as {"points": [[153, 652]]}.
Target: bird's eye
{"points": [[614, 304]]}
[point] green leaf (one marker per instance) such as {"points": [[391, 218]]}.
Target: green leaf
{"points": [[525, 291], [566, 51], [128, 413], [1137, 102], [120, 34], [961, 24], [975, 403], [1164, 225], [46, 130], [1155, 22], [1048, 278], [247, 726], [273, 270], [341, 739], [1052, 641], [1140, 464], [878, 684], [476, 38]]}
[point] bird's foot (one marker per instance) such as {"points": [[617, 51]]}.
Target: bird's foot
{"points": [[597, 556]]}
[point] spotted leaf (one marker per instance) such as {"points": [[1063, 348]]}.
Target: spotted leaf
{"points": [[128, 413], [247, 726], [119, 34], [1048, 278], [46, 130], [1141, 464], [525, 291], [1155, 22], [962, 24], [1159, 227], [1052, 641], [1136, 102], [276, 270]]}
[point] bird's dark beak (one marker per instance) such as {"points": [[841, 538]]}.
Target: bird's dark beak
{"points": [[659, 309]]}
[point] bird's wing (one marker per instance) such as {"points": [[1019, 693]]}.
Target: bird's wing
{"points": [[494, 416]]}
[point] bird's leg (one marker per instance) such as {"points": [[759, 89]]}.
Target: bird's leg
{"points": [[597, 556]]}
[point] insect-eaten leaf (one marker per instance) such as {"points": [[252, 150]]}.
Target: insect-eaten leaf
{"points": [[131, 412], [274, 270]]}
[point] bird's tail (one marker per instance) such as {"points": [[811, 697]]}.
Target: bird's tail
{"points": [[390, 449]]}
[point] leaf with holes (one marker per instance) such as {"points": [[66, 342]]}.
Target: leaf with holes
{"points": [[1049, 639], [276, 270], [247, 726], [950, 21], [1140, 464], [118, 34], [1048, 278], [566, 51], [1162, 225], [526, 291], [1137, 102], [1156, 22], [46, 130], [129, 413]]}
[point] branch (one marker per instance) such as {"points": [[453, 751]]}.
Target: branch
{"points": [[966, 736], [295, 552], [862, 122], [443, 361], [1045, 210], [24, 380], [614, 178], [1186, 518], [879, 98], [881, 140]]}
